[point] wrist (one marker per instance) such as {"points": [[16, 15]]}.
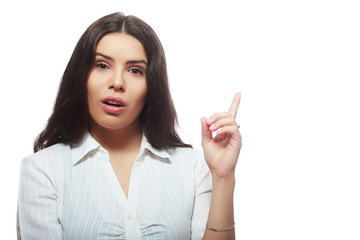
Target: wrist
{"points": [[227, 182]]}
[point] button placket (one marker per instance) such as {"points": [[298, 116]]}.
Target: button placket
{"points": [[132, 227]]}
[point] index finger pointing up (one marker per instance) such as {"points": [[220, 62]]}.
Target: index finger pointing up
{"points": [[235, 105]]}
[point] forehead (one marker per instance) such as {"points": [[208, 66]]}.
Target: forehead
{"points": [[121, 46]]}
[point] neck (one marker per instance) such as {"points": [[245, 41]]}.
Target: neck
{"points": [[118, 140]]}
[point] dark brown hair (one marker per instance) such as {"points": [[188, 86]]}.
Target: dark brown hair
{"points": [[70, 118]]}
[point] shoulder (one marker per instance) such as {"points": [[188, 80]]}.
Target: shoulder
{"points": [[191, 160], [185, 154], [50, 153], [45, 169], [47, 159], [188, 156]]}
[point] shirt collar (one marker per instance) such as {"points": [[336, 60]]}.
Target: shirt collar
{"points": [[84, 147], [88, 144], [162, 153]]}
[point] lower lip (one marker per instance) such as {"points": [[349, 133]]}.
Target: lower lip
{"points": [[112, 109]]}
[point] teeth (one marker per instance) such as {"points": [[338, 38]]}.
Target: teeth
{"points": [[112, 102]]}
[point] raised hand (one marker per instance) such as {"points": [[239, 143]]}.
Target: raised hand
{"points": [[222, 151]]}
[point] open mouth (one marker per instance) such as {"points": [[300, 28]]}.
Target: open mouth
{"points": [[113, 103]]}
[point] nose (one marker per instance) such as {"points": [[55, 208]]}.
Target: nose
{"points": [[117, 82]]}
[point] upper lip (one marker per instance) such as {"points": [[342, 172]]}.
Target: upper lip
{"points": [[114, 99]]}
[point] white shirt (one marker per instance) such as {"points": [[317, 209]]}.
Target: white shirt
{"points": [[73, 193]]}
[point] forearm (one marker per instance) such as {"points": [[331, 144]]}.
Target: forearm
{"points": [[221, 214]]}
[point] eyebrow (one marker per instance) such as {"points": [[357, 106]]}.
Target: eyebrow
{"points": [[128, 62]]}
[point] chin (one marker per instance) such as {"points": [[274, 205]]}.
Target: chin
{"points": [[116, 124]]}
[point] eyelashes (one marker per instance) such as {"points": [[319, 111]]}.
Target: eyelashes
{"points": [[102, 66], [136, 70]]}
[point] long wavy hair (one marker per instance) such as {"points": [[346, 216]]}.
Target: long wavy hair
{"points": [[70, 118]]}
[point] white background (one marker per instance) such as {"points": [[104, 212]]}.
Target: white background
{"points": [[295, 62]]}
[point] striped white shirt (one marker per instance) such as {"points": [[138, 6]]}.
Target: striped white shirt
{"points": [[73, 193]]}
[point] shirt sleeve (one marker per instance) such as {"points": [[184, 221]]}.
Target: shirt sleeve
{"points": [[37, 202], [203, 188]]}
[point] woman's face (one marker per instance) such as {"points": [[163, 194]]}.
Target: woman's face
{"points": [[116, 85]]}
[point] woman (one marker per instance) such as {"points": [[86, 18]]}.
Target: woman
{"points": [[110, 165]]}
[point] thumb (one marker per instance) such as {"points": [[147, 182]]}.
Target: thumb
{"points": [[205, 132]]}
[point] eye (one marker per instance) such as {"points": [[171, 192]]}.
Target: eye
{"points": [[136, 71], [102, 65]]}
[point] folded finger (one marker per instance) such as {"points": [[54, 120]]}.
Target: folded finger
{"points": [[227, 121], [217, 116], [228, 131]]}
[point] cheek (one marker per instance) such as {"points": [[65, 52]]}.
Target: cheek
{"points": [[91, 85], [140, 99], [144, 94], [91, 93]]}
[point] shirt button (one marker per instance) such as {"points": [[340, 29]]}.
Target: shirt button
{"points": [[129, 217]]}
